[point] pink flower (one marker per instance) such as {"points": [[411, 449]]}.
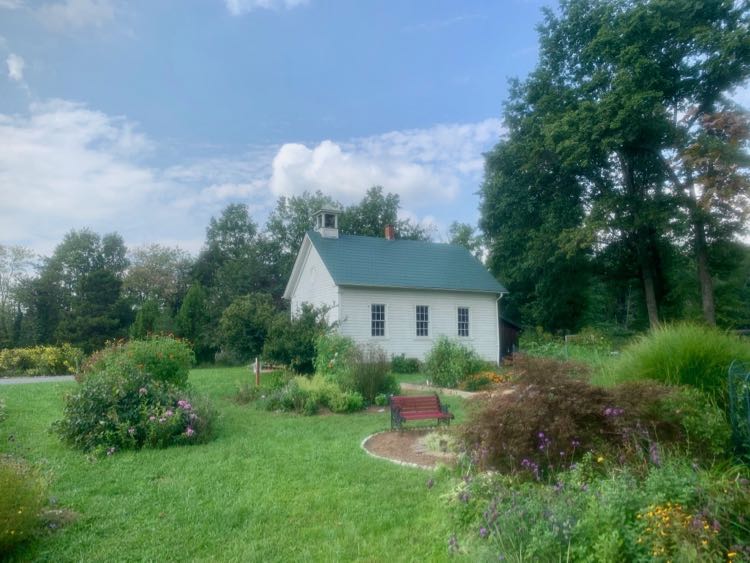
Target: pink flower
{"points": [[152, 418], [189, 431], [142, 391], [168, 413]]}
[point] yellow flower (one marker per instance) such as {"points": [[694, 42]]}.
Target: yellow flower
{"points": [[731, 554], [599, 459]]}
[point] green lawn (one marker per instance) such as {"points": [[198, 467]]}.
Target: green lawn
{"points": [[270, 487]]}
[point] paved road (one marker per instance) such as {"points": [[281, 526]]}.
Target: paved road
{"points": [[37, 379]]}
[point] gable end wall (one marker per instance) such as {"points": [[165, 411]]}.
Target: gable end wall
{"points": [[316, 287]]}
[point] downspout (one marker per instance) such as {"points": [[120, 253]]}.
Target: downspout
{"points": [[499, 342]]}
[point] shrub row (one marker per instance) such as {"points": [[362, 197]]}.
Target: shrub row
{"points": [[40, 360]]}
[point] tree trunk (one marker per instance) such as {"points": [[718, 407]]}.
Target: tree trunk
{"points": [[704, 276], [649, 287]]}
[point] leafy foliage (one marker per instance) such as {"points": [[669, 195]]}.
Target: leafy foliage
{"points": [[291, 342], [40, 360], [245, 323], [307, 396], [548, 418], [20, 504], [163, 358], [449, 362], [674, 512], [402, 364]]}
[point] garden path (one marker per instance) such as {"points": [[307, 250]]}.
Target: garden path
{"points": [[34, 379]]}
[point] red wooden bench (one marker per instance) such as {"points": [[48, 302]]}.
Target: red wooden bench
{"points": [[405, 408]]}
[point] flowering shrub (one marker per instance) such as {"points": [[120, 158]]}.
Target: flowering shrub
{"points": [[21, 501], [545, 420], [114, 410], [40, 360], [165, 358], [449, 363]]}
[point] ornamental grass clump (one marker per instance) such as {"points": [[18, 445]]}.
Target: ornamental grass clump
{"points": [[684, 354]]}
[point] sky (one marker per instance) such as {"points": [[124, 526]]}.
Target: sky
{"points": [[149, 117]]}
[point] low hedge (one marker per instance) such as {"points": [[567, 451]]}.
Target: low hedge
{"points": [[40, 360]]}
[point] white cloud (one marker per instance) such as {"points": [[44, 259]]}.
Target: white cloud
{"points": [[240, 7], [77, 14], [65, 166], [424, 166], [16, 65]]}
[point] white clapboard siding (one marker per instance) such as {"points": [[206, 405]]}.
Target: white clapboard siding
{"points": [[400, 312], [316, 287]]}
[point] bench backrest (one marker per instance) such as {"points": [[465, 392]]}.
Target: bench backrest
{"points": [[427, 403]]}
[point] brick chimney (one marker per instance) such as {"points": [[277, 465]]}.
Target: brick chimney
{"points": [[390, 232]]}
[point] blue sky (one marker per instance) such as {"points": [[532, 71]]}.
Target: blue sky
{"points": [[148, 117]]}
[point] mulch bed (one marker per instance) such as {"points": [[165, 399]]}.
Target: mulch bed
{"points": [[407, 446]]}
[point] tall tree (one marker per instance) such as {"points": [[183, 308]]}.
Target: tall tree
{"points": [[376, 210], [158, 273], [606, 101], [463, 234], [14, 264]]}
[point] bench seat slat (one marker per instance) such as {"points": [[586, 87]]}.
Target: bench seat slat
{"points": [[417, 408]]}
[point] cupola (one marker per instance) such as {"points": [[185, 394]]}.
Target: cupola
{"points": [[327, 222]]}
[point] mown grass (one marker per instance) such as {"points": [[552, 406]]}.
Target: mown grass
{"points": [[270, 487]]}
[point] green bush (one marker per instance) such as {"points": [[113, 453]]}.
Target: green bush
{"points": [[130, 409], [244, 325], [3, 411], [307, 396], [40, 360], [333, 358], [165, 358], [291, 342], [684, 354], [402, 364], [21, 501], [449, 363], [381, 399]]}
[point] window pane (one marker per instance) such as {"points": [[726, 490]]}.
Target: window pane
{"points": [[378, 320], [463, 321], [330, 221], [423, 320]]}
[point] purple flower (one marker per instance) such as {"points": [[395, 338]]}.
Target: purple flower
{"points": [[184, 405], [168, 413], [152, 418], [189, 431], [483, 532]]}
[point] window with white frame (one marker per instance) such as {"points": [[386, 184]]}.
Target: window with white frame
{"points": [[423, 320], [463, 321], [377, 319]]}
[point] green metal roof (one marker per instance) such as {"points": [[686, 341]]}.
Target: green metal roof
{"points": [[378, 262]]}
